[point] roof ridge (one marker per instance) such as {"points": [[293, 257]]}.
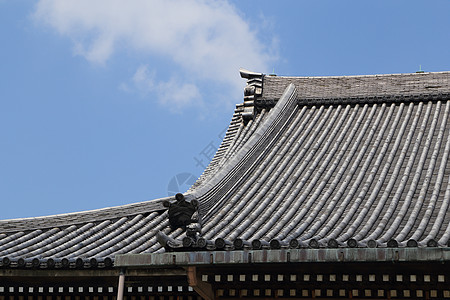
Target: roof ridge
{"points": [[94, 215], [348, 87], [363, 75], [236, 162]]}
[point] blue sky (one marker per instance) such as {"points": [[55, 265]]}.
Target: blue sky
{"points": [[104, 103]]}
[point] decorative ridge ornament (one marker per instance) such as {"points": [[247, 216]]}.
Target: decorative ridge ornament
{"points": [[185, 215], [249, 74], [253, 89]]}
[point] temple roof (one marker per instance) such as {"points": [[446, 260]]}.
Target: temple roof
{"points": [[348, 161]]}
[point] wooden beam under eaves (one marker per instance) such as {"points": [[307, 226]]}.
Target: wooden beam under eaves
{"points": [[200, 287]]}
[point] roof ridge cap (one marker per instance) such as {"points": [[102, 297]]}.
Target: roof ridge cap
{"points": [[288, 98], [94, 215], [362, 75]]}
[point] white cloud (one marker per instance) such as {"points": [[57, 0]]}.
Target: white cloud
{"points": [[205, 39], [174, 94]]}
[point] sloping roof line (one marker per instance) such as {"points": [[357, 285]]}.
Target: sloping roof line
{"points": [[67, 219], [241, 161]]}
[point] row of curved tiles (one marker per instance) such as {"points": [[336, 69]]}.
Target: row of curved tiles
{"points": [[201, 244], [238, 244], [56, 263]]}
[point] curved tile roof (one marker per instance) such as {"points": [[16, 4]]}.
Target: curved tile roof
{"points": [[298, 174]]}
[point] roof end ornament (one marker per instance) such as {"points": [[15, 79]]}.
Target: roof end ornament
{"points": [[183, 213], [252, 90], [249, 74]]}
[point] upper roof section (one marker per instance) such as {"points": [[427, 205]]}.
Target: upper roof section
{"points": [[264, 91], [360, 87]]}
